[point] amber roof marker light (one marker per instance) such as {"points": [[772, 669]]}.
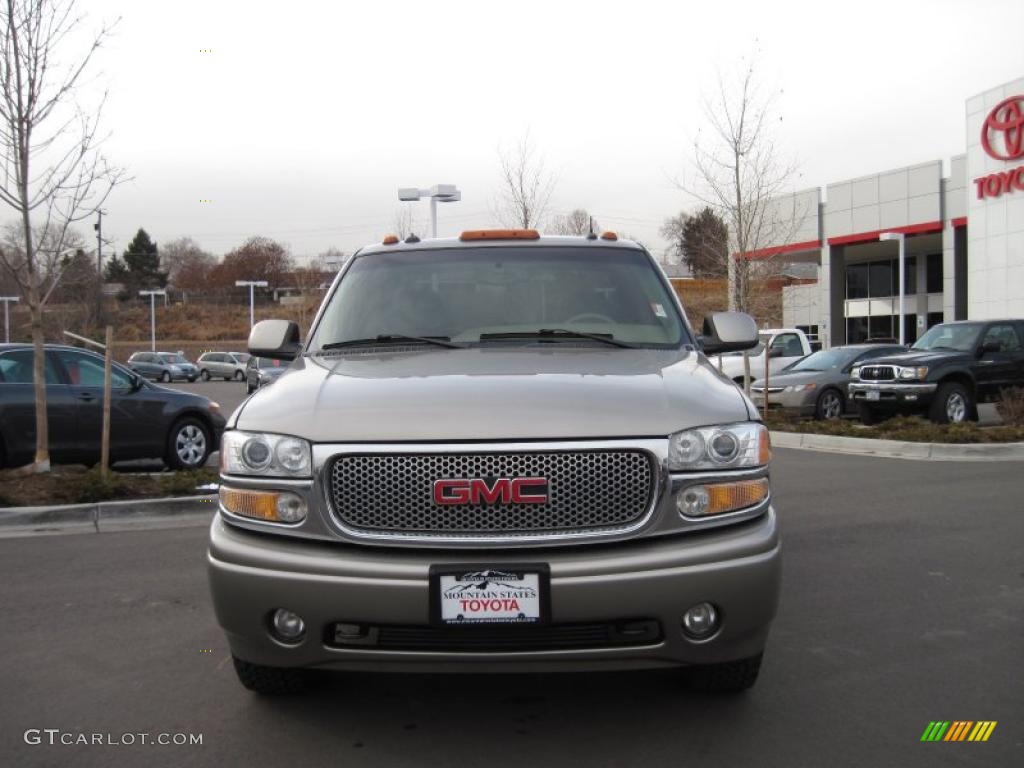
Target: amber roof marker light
{"points": [[444, 193], [499, 234], [609, 236]]}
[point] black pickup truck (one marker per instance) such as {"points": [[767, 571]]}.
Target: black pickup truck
{"points": [[945, 374]]}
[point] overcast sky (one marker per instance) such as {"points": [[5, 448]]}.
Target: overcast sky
{"points": [[307, 116]]}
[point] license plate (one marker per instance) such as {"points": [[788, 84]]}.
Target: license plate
{"points": [[871, 395], [489, 594]]}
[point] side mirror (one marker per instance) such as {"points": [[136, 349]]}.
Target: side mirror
{"points": [[990, 346], [136, 382], [728, 332], [276, 339]]}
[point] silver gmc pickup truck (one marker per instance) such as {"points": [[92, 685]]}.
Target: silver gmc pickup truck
{"points": [[497, 452]]}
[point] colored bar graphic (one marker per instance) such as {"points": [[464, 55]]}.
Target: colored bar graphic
{"points": [[958, 730]]}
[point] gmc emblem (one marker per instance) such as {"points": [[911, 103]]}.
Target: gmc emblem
{"points": [[504, 490]]}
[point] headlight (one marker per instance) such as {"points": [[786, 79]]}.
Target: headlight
{"points": [[855, 373], [255, 453], [731, 446], [912, 373], [810, 386]]}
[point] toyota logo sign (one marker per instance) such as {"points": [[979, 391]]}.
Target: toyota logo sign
{"points": [[1002, 133]]}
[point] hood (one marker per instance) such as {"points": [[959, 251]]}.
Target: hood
{"points": [[922, 357], [488, 393]]}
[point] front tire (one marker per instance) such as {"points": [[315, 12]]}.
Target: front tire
{"points": [[189, 444], [730, 677], [204, 375], [829, 405], [270, 681], [952, 404], [239, 375], [165, 377]]}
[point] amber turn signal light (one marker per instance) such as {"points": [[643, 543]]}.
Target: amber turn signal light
{"points": [[500, 234]]}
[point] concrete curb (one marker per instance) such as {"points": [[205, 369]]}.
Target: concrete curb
{"points": [[107, 516], [900, 449]]}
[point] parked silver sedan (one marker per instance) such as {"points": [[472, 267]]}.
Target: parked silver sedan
{"points": [[816, 385], [226, 365]]}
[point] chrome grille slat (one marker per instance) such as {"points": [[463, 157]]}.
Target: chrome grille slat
{"points": [[589, 491], [877, 373]]}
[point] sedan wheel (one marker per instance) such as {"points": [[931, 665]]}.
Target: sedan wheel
{"points": [[830, 405], [165, 376], [239, 375], [189, 446], [205, 374]]}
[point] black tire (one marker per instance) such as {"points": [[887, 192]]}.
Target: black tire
{"points": [[730, 677], [830, 405], [270, 681], [165, 377], [952, 404], [185, 449], [249, 388], [204, 375], [868, 415], [239, 375], [191, 379]]}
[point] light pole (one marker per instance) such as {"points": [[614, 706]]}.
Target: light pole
{"points": [[152, 315], [253, 284], [902, 240], [445, 193], [7, 317]]}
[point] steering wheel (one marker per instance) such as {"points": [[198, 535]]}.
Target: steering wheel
{"points": [[589, 316]]}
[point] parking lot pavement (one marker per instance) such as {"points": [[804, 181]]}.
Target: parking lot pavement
{"points": [[902, 603], [229, 394]]}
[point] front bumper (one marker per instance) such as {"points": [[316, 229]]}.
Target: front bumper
{"points": [[892, 394], [737, 568], [803, 402]]}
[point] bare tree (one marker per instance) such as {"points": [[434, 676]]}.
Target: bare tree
{"points": [[526, 186], [404, 223], [53, 172], [740, 174], [576, 222]]}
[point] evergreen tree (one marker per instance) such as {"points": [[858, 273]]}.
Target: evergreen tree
{"points": [[142, 264]]}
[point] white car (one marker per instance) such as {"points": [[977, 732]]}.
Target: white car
{"points": [[784, 346]]}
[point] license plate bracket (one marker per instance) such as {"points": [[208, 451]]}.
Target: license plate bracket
{"points": [[484, 594]]}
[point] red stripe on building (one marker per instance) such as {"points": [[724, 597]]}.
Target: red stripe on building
{"points": [[778, 250], [867, 237], [959, 221]]}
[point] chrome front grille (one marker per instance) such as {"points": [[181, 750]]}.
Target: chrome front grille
{"points": [[877, 373], [589, 491]]}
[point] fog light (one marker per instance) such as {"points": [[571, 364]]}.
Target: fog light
{"points": [[700, 621], [288, 626], [693, 501]]}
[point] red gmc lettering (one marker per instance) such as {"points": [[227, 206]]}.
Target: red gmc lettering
{"points": [[516, 490]]}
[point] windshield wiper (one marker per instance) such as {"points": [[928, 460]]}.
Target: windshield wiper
{"points": [[392, 338], [557, 333]]}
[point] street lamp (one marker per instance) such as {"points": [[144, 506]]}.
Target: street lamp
{"points": [[253, 284], [7, 317], [152, 315], [902, 240], [445, 193]]}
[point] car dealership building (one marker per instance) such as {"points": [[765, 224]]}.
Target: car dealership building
{"points": [[963, 235]]}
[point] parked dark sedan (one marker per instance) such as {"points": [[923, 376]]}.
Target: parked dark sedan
{"points": [[260, 371], [146, 420]]}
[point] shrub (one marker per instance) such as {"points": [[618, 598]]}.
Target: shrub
{"points": [[1010, 406]]}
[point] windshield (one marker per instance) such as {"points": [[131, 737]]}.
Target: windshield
{"points": [[465, 293], [962, 337], [176, 359], [825, 360], [240, 357]]}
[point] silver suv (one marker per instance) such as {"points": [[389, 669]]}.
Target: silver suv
{"points": [[502, 452], [225, 365]]}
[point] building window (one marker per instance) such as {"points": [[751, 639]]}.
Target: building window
{"points": [[857, 281], [880, 281], [881, 327], [934, 273], [856, 330], [934, 318]]}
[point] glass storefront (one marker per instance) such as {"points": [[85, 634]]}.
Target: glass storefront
{"points": [[880, 280]]}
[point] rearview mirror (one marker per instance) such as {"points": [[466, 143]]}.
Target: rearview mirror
{"points": [[276, 339], [728, 332]]}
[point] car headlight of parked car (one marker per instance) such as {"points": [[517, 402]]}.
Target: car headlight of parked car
{"points": [[731, 446], [912, 373], [809, 386], [265, 455]]}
